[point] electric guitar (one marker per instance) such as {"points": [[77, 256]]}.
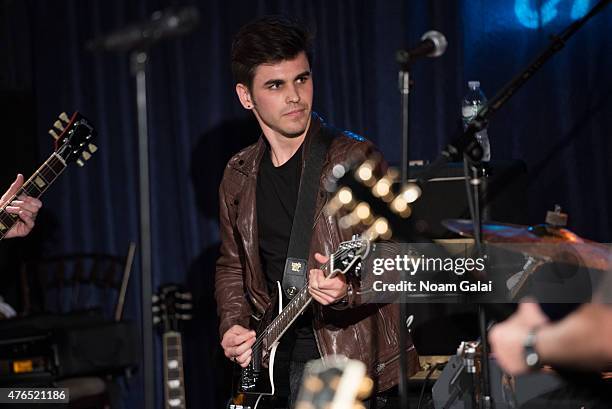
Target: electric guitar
{"points": [[74, 142], [170, 306], [258, 379]]}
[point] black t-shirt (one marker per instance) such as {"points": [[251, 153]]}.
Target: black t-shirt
{"points": [[277, 192]]}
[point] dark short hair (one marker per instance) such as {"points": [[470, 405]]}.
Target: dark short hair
{"points": [[268, 39]]}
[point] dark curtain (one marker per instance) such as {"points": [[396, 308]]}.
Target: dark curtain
{"points": [[559, 124]]}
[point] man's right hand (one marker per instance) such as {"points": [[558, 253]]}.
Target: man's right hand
{"points": [[237, 342]]}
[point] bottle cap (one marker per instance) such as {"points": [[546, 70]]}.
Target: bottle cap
{"points": [[474, 84]]}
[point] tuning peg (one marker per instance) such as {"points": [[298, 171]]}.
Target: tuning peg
{"points": [[154, 298], [64, 117], [86, 155], [59, 126], [184, 317], [156, 320], [365, 388], [53, 134], [400, 206], [184, 296], [411, 192], [313, 384], [80, 162], [380, 228], [92, 148], [365, 173], [184, 306]]}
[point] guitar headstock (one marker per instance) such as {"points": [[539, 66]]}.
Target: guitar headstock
{"points": [[334, 383], [350, 254], [74, 138], [370, 202], [171, 305]]}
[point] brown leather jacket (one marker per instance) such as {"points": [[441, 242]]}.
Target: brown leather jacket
{"points": [[366, 332]]}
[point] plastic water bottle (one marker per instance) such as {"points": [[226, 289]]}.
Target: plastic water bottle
{"points": [[474, 99]]}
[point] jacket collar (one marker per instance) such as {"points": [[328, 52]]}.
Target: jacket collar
{"points": [[247, 161]]}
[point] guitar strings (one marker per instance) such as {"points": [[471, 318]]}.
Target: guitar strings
{"points": [[27, 183], [266, 332], [39, 171]]}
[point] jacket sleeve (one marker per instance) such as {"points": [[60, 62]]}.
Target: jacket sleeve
{"points": [[233, 307]]}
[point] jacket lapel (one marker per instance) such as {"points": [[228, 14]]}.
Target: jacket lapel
{"points": [[247, 227]]}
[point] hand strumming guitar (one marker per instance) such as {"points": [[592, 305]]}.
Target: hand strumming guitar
{"points": [[237, 342]]}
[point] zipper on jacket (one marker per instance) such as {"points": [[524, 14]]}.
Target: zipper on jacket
{"points": [[314, 332], [381, 367]]}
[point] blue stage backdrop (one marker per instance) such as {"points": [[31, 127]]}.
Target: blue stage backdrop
{"points": [[559, 124]]}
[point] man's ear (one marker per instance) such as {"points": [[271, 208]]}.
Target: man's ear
{"points": [[244, 95]]}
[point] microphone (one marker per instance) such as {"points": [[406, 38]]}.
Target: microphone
{"points": [[162, 24], [432, 44]]}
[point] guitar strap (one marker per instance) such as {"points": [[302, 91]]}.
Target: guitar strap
{"points": [[294, 275]]}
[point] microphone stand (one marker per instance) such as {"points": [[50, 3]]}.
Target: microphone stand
{"points": [[467, 145], [433, 44], [138, 67], [404, 88], [465, 142], [404, 83], [138, 39]]}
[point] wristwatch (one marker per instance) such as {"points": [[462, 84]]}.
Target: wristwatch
{"points": [[532, 358]]}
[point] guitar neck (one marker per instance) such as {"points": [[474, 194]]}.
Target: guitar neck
{"points": [[35, 187], [289, 314], [174, 380]]}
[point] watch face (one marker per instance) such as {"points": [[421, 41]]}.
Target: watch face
{"points": [[531, 359]]}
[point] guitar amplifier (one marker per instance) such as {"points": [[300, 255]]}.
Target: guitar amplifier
{"points": [[504, 197], [35, 353]]}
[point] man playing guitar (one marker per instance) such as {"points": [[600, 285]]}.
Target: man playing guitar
{"points": [[271, 63]]}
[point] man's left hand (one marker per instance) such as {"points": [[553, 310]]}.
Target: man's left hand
{"points": [[24, 206], [326, 291], [508, 337]]}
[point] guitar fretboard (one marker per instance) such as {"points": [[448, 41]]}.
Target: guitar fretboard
{"points": [[300, 301], [35, 187], [174, 381]]}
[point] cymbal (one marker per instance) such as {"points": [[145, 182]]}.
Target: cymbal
{"points": [[542, 241]]}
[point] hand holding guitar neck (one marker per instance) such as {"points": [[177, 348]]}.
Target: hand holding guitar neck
{"points": [[24, 206], [326, 290], [74, 137]]}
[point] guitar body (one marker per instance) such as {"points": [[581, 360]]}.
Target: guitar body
{"points": [[258, 378]]}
